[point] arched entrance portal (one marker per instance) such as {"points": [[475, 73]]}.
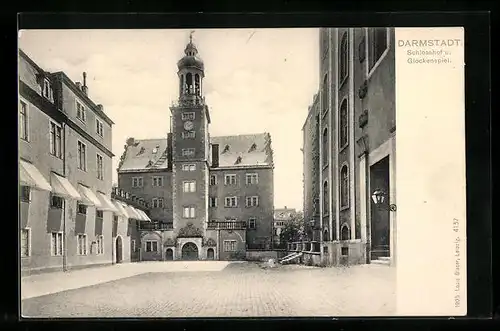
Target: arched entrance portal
{"points": [[210, 254], [169, 254], [119, 250], [189, 251]]}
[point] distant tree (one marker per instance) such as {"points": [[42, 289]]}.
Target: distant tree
{"points": [[293, 229]]}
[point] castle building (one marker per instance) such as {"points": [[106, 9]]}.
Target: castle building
{"points": [[67, 218], [349, 149], [210, 197]]}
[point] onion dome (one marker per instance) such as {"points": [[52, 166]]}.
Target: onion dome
{"points": [[191, 59]]}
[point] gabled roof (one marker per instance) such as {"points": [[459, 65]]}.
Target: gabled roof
{"points": [[244, 150], [144, 154], [284, 214]]}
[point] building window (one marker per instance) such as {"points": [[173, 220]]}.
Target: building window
{"points": [[344, 187], [23, 120], [344, 124], [226, 149], [81, 209], [189, 212], [81, 112], [377, 44], [325, 147], [100, 245], [229, 245], [188, 152], [56, 248], [189, 186], [188, 116], [230, 180], [343, 56], [252, 223], [151, 246], [213, 179], [157, 181], [25, 193], [134, 248], [231, 202], [82, 156], [188, 134], [55, 139], [100, 172], [324, 95], [99, 127], [189, 167], [212, 202], [99, 214], [252, 179], [137, 182], [25, 242], [157, 202], [325, 198], [47, 89], [252, 201], [56, 202]]}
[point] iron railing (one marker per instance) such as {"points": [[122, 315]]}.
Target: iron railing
{"points": [[155, 226], [227, 225]]}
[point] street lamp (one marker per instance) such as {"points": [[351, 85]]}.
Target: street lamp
{"points": [[379, 198]]}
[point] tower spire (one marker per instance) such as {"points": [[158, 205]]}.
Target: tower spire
{"points": [[191, 36]]}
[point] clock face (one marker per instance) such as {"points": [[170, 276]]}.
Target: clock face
{"points": [[188, 125]]}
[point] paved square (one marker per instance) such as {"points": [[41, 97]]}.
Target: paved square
{"points": [[164, 289]]}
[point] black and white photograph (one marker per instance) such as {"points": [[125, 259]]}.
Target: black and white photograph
{"points": [[240, 172]]}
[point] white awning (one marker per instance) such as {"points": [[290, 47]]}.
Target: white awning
{"points": [[62, 187], [88, 197], [106, 203], [120, 209], [30, 176], [132, 213], [145, 217]]}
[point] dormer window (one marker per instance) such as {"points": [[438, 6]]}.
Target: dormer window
{"points": [[47, 89], [238, 160], [142, 150], [155, 150], [253, 147], [226, 149]]}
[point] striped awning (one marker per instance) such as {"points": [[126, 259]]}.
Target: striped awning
{"points": [[132, 213], [63, 188], [120, 209], [89, 198], [144, 215]]}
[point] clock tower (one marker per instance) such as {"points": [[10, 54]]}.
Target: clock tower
{"points": [[190, 156]]}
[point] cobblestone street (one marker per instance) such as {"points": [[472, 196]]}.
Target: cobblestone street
{"points": [[231, 290]]}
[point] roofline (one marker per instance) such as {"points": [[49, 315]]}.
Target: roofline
{"points": [[131, 171], [250, 166], [31, 62], [82, 95]]}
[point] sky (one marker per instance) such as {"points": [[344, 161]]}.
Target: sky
{"points": [[256, 80]]}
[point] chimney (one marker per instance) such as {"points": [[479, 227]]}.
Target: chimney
{"points": [[84, 87], [130, 141], [100, 107], [215, 155]]}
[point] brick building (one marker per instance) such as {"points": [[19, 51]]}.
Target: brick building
{"points": [[65, 212], [210, 197], [354, 126]]}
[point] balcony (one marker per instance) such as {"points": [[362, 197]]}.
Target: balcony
{"points": [[227, 225], [147, 226]]}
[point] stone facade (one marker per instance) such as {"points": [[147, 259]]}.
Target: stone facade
{"points": [[357, 132], [194, 221]]}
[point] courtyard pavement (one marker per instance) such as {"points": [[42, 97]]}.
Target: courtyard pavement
{"points": [[211, 289]]}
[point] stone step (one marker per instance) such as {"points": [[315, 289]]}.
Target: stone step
{"points": [[385, 262]]}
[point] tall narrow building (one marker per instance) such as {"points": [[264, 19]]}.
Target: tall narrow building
{"points": [[210, 197]]}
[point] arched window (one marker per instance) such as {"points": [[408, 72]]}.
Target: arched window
{"points": [[344, 128], [344, 49], [189, 82], [344, 186], [197, 85], [324, 95], [345, 234], [325, 198], [325, 146]]}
